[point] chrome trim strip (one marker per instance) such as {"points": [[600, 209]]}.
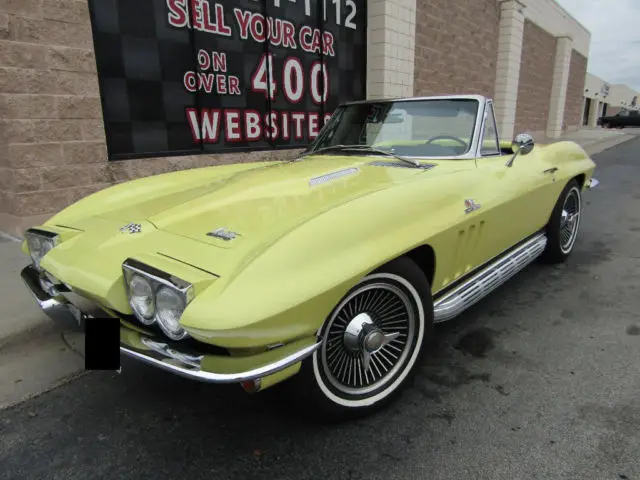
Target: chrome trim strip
{"points": [[193, 372], [327, 177], [479, 98], [57, 309], [156, 274], [488, 279], [30, 278], [471, 154]]}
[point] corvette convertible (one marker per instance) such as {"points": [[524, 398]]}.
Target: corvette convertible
{"points": [[325, 273]]}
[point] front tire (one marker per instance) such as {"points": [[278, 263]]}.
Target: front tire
{"points": [[562, 229], [371, 344]]}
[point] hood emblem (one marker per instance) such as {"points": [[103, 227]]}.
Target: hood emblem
{"points": [[223, 234], [471, 206], [131, 228]]}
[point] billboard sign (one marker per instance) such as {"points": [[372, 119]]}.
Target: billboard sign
{"points": [[204, 76]]}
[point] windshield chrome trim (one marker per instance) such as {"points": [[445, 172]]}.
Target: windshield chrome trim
{"points": [[479, 98], [474, 149], [485, 117]]}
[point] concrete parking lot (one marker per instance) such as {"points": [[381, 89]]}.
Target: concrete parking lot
{"points": [[541, 380]]}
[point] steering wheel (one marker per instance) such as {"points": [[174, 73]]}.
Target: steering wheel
{"points": [[447, 137]]}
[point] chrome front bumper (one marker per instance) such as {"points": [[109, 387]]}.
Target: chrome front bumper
{"points": [[69, 316]]}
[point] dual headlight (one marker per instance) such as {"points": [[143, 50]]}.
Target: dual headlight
{"points": [[157, 297], [39, 242]]}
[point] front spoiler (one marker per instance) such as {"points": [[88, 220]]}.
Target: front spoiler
{"points": [[169, 357]]}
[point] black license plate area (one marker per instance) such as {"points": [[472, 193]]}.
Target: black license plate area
{"points": [[102, 343]]}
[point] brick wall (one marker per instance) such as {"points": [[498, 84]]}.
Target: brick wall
{"points": [[52, 144], [456, 46], [536, 79], [575, 92]]}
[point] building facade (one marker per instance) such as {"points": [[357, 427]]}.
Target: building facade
{"points": [[77, 117], [602, 98]]}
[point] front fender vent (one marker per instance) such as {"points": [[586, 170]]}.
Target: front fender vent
{"points": [[332, 176]]}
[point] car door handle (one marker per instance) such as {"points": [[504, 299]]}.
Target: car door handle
{"points": [[551, 170]]}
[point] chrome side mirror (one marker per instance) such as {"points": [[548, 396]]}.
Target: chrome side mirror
{"points": [[522, 145]]}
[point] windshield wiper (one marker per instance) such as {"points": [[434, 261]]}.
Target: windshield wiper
{"points": [[365, 148]]}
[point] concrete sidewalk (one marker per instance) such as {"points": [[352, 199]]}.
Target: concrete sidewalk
{"points": [[21, 318]]}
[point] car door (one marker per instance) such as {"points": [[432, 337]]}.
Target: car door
{"points": [[515, 200]]}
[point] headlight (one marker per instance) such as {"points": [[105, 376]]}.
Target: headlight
{"points": [[39, 243], [170, 305], [156, 296], [141, 299]]}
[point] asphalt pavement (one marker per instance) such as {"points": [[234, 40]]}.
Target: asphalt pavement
{"points": [[541, 380]]}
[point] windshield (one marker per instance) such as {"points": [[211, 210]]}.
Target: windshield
{"points": [[417, 128]]}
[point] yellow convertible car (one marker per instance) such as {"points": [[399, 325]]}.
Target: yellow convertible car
{"points": [[329, 270]]}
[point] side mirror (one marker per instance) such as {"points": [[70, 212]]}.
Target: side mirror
{"points": [[522, 144]]}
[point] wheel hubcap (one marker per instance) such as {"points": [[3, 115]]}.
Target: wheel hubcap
{"points": [[569, 221], [362, 337], [368, 338]]}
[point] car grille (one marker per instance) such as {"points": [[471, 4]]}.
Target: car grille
{"points": [[187, 345]]}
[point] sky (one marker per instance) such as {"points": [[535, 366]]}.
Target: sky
{"points": [[615, 37]]}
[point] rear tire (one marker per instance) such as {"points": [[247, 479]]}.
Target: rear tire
{"points": [[562, 229], [393, 302]]}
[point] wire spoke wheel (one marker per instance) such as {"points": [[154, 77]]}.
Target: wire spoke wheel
{"points": [[368, 338], [569, 220]]}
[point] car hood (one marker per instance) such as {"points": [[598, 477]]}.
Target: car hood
{"points": [[261, 204]]}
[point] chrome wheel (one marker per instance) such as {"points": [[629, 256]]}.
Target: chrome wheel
{"points": [[570, 220], [371, 341]]}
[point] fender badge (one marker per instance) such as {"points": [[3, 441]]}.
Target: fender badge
{"points": [[131, 228], [471, 206], [223, 234]]}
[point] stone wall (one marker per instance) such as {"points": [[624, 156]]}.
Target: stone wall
{"points": [[574, 104], [536, 79], [456, 46], [52, 141], [391, 27]]}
